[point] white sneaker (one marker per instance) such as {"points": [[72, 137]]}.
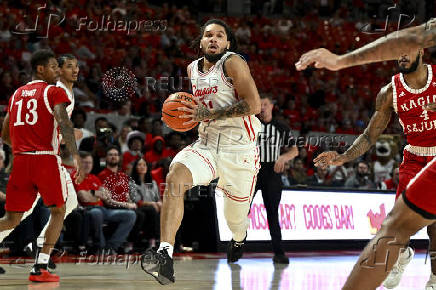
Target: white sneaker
{"points": [[431, 283], [394, 277]]}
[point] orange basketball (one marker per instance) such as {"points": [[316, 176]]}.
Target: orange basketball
{"points": [[170, 114]]}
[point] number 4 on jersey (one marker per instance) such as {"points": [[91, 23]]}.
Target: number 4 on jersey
{"points": [[31, 118]]}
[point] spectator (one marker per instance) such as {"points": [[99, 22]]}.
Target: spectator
{"points": [[98, 144], [100, 207], [156, 129], [175, 143], [157, 153], [339, 175], [145, 126], [320, 178], [4, 178], [298, 174], [135, 141], [6, 87], [286, 174], [116, 181], [122, 138], [148, 200], [361, 179], [79, 118], [391, 184]]}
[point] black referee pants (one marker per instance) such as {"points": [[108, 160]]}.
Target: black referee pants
{"points": [[270, 183]]}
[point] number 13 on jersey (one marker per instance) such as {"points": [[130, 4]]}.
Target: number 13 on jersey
{"points": [[30, 116]]}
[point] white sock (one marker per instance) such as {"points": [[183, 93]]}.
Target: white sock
{"points": [[42, 258], [168, 247], [40, 241]]}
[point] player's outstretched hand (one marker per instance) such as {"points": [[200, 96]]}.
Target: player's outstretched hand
{"points": [[194, 112], [320, 58], [79, 176], [329, 158], [430, 107]]}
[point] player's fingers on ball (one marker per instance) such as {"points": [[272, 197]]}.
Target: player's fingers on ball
{"points": [[184, 109], [188, 104], [186, 116], [188, 122]]}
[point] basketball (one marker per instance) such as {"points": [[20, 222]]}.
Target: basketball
{"points": [[170, 114]]}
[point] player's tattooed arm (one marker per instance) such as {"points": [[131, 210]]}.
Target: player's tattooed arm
{"points": [[393, 45], [238, 109], [66, 126], [5, 131], [378, 123]]}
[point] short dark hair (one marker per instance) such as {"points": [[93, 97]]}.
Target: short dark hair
{"points": [[112, 148], [100, 119], [229, 32], [84, 154], [65, 57], [266, 96], [78, 112], [40, 57]]}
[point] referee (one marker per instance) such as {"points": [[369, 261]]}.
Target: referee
{"points": [[273, 136]]}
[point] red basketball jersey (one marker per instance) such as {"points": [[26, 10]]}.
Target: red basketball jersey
{"points": [[418, 124], [32, 125]]}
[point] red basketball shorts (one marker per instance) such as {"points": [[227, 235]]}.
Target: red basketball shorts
{"points": [[31, 174], [409, 168], [420, 194]]}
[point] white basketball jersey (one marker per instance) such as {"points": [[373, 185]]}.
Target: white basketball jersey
{"points": [[70, 95], [214, 90]]}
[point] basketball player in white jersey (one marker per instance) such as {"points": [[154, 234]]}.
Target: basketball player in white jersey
{"points": [[69, 71], [227, 102]]}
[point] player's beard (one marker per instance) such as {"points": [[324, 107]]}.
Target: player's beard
{"points": [[213, 58], [412, 68]]}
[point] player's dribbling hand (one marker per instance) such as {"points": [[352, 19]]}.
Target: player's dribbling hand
{"points": [[430, 107], [320, 58], [195, 112], [329, 158], [79, 176]]}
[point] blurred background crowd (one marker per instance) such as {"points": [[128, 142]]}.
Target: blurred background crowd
{"points": [[123, 140]]}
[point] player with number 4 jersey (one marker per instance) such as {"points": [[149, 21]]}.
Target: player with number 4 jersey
{"points": [[408, 94]]}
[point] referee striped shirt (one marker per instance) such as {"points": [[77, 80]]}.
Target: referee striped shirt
{"points": [[273, 137]]}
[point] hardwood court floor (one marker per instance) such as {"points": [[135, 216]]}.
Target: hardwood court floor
{"points": [[307, 271]]}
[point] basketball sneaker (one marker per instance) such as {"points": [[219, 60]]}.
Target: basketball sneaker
{"points": [[394, 277], [40, 273], [32, 250], [235, 250], [159, 265], [431, 283]]}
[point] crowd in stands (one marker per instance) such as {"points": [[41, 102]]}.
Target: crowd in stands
{"points": [[126, 149]]}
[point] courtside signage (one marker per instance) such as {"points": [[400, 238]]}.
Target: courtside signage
{"points": [[317, 215]]}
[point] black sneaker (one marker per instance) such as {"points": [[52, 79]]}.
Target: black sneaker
{"points": [[235, 250], [280, 259], [159, 265], [2, 271]]}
